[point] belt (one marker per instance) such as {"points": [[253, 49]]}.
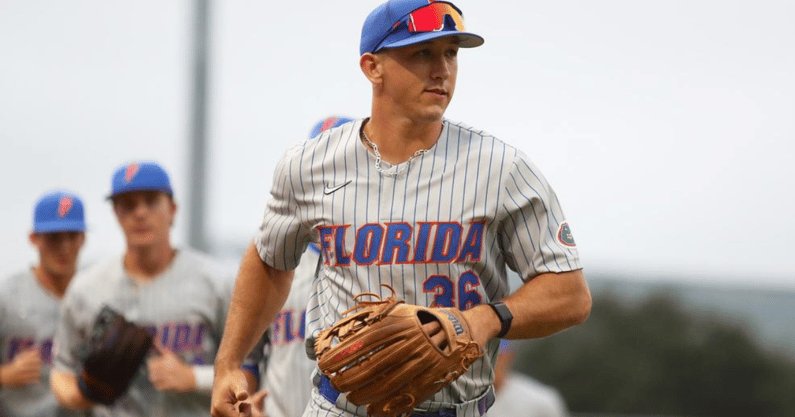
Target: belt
{"points": [[328, 392]]}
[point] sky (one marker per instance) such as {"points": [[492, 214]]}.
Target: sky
{"points": [[667, 128]]}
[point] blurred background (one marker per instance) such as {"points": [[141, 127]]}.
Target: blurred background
{"points": [[666, 128]]}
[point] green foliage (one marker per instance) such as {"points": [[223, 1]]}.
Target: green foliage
{"points": [[656, 359]]}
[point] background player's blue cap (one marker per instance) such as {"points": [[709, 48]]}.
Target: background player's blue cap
{"points": [[328, 123], [140, 176], [59, 211], [406, 22]]}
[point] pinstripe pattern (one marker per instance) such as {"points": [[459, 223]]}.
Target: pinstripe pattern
{"points": [[472, 202], [28, 319], [184, 308], [288, 371]]}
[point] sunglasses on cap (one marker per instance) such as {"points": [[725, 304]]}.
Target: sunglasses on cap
{"points": [[431, 18]]}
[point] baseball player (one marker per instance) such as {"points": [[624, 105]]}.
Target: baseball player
{"points": [[288, 370], [179, 295], [520, 395], [29, 303], [433, 208]]}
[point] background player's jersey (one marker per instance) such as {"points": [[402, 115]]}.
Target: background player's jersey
{"points": [[527, 397], [28, 316], [185, 308], [439, 227], [288, 376]]}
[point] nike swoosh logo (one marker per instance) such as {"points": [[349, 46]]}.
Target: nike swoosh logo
{"points": [[328, 190]]}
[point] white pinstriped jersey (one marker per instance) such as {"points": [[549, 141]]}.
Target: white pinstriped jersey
{"points": [[28, 316], [438, 228], [289, 371], [184, 308]]}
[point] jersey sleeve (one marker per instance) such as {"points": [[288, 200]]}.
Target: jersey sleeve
{"points": [[282, 237], [534, 232]]}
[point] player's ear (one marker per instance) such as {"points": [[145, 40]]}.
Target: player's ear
{"points": [[114, 206], [371, 67], [173, 206]]}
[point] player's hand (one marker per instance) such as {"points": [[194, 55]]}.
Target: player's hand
{"points": [[24, 369], [483, 322], [258, 404], [230, 394], [168, 372], [434, 330]]}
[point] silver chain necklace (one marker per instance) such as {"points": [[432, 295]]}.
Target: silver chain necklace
{"points": [[396, 171]]}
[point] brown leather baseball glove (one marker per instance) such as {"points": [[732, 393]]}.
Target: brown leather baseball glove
{"points": [[115, 352], [380, 356]]}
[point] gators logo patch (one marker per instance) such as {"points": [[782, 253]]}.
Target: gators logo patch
{"points": [[564, 235], [130, 172], [64, 206]]}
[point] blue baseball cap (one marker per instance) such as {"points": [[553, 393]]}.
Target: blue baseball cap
{"points": [[328, 123], [140, 176], [59, 211], [406, 22]]}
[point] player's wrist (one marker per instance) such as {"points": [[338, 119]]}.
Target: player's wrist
{"points": [[225, 366], [504, 318], [76, 399]]}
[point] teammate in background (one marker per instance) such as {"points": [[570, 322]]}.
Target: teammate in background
{"points": [[29, 303], [181, 296], [432, 207], [286, 381], [519, 395]]}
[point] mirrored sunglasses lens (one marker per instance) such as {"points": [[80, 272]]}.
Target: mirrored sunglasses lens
{"points": [[432, 17]]}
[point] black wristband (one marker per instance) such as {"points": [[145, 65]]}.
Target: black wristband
{"points": [[505, 316]]}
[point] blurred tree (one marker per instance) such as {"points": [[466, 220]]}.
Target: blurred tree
{"points": [[654, 358]]}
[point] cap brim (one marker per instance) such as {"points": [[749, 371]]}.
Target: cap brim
{"points": [[132, 190], [466, 39], [60, 226]]}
